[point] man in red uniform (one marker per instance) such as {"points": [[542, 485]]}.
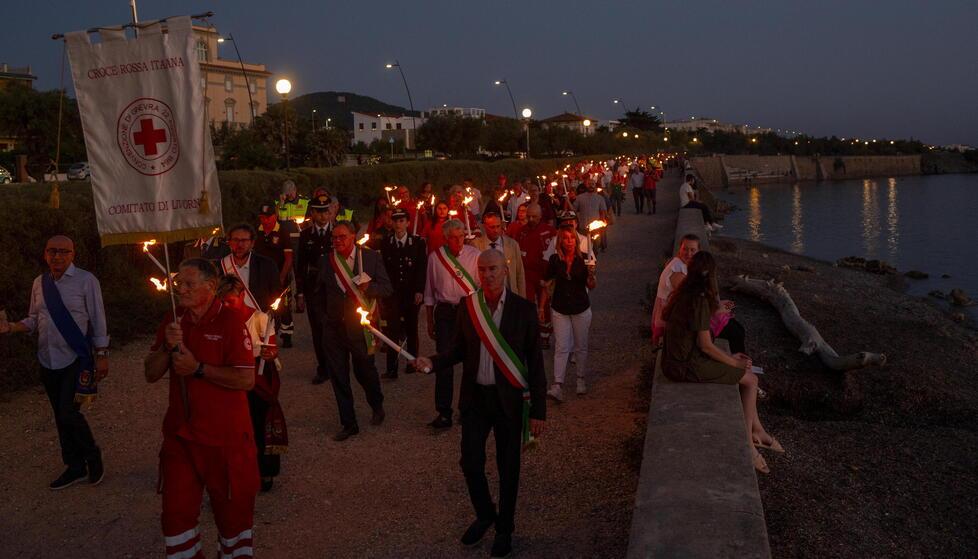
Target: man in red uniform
{"points": [[208, 440], [533, 239]]}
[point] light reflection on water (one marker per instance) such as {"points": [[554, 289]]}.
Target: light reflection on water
{"points": [[797, 224], [914, 223], [754, 221]]}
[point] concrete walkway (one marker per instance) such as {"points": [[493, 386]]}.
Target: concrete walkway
{"points": [[392, 491]]}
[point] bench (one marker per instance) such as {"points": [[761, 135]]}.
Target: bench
{"points": [[697, 494]]}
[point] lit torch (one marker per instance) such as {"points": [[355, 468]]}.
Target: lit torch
{"points": [[160, 285], [593, 226], [362, 277], [465, 208], [388, 190], [417, 218], [365, 322], [146, 246], [270, 328]]}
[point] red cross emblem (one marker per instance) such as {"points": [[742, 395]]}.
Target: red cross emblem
{"points": [[147, 136]]}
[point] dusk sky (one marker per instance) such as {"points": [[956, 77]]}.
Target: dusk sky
{"points": [[850, 68]]}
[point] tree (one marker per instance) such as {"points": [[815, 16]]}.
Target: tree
{"points": [[450, 134], [641, 120], [326, 146], [503, 135], [32, 118]]}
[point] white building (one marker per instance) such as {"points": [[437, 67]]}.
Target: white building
{"points": [[445, 110], [370, 127], [713, 125]]}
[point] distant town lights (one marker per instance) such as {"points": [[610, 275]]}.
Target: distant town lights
{"points": [[624, 134]]}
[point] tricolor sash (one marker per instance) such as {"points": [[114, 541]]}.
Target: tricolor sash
{"points": [[502, 354], [85, 386], [456, 270], [231, 269], [345, 275]]}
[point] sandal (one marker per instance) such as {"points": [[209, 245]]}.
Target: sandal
{"points": [[760, 464], [773, 445]]}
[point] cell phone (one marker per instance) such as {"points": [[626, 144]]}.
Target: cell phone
{"points": [[756, 370]]}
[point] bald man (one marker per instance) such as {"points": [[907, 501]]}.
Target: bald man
{"points": [[502, 372], [67, 313]]}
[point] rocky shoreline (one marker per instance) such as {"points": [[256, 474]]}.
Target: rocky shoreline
{"points": [[880, 461]]}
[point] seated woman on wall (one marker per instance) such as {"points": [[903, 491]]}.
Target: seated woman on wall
{"points": [[690, 355]]}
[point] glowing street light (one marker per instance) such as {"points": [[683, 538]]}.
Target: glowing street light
{"points": [[510, 91], [574, 97], [527, 113], [283, 87]]}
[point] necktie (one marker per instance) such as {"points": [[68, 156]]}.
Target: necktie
{"points": [[493, 245]]}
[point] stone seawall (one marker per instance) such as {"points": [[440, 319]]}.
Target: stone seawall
{"points": [[723, 170]]}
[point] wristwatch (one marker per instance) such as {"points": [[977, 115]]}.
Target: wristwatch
{"points": [[199, 373]]}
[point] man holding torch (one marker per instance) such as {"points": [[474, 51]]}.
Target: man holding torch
{"points": [[208, 440], [503, 392], [350, 278], [406, 260]]}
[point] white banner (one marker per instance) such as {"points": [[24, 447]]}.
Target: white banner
{"points": [[149, 146]]}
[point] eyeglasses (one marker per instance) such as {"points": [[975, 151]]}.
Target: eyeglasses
{"points": [[239, 240], [58, 251]]}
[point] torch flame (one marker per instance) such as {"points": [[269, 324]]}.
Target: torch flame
{"points": [[397, 202], [388, 188], [466, 200], [160, 286], [300, 220], [363, 316], [503, 197], [277, 302], [596, 224], [148, 244], [452, 213], [432, 199], [553, 183], [420, 204], [366, 237]]}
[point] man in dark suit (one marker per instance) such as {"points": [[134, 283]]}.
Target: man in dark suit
{"points": [[406, 260], [257, 272], [315, 241], [491, 397], [349, 279]]}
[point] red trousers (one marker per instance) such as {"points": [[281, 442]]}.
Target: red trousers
{"points": [[230, 475]]}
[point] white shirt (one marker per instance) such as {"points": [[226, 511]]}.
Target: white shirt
{"points": [[82, 296], [440, 286], [487, 369], [400, 241], [685, 193], [496, 245], [665, 284], [244, 272], [515, 202]]}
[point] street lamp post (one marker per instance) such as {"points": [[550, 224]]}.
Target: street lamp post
{"points": [[314, 120], [283, 87], [251, 102], [574, 97], [510, 91], [414, 125], [327, 123], [587, 125], [527, 113]]}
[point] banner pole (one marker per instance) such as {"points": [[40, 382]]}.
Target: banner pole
{"points": [[173, 303]]}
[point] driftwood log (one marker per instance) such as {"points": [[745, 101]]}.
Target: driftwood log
{"points": [[811, 341]]}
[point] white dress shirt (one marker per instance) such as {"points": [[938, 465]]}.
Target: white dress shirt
{"points": [[244, 270], [487, 370], [440, 286], [82, 296]]}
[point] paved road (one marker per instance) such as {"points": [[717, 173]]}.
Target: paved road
{"points": [[393, 491]]}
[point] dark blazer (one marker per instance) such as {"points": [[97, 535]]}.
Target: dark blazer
{"points": [[520, 329], [308, 255], [263, 280], [407, 266], [338, 306]]}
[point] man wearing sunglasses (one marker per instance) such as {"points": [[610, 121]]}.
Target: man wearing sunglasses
{"points": [[67, 313]]}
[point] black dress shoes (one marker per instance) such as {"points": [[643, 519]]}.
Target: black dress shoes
{"points": [[70, 477], [502, 545], [96, 470], [476, 530], [378, 417], [319, 379], [346, 433], [389, 376], [266, 484], [441, 422]]}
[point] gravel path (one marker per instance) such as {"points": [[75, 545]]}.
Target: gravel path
{"points": [[392, 491]]}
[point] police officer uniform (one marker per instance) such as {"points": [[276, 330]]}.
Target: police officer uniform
{"points": [[406, 262], [276, 245], [314, 243]]}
